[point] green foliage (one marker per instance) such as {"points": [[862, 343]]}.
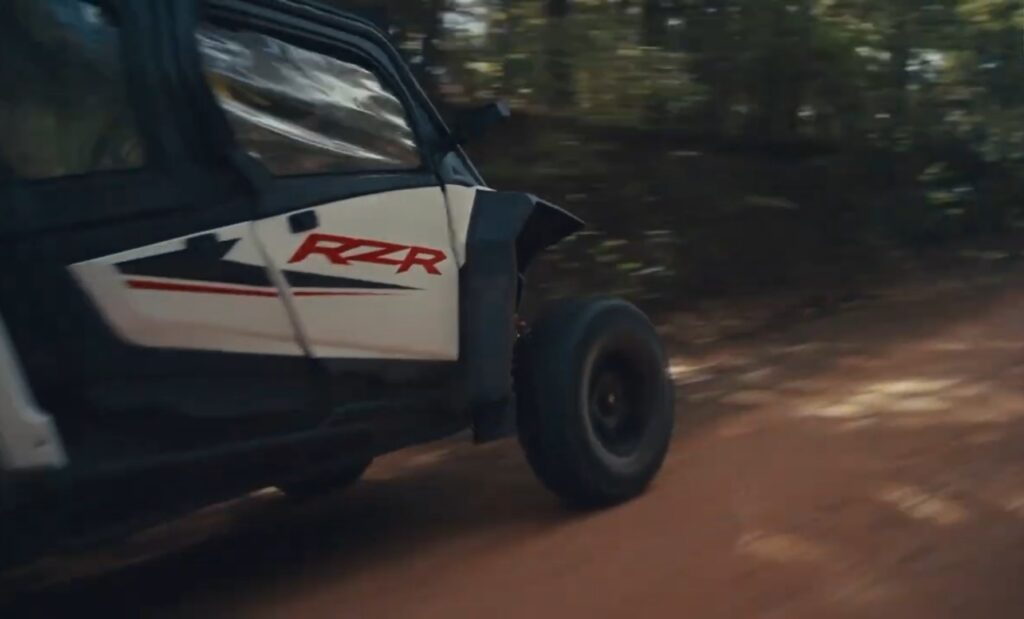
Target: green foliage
{"points": [[900, 74], [933, 81]]}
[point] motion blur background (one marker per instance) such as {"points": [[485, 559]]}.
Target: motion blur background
{"points": [[738, 161], [736, 146]]}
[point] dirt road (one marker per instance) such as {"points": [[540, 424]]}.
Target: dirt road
{"points": [[869, 464]]}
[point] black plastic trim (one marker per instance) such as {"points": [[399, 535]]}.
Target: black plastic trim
{"points": [[506, 231], [303, 221]]}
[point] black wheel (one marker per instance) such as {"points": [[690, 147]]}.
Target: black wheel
{"points": [[326, 483], [595, 403]]}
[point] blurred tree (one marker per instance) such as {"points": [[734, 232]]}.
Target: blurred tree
{"points": [[558, 8], [558, 57]]}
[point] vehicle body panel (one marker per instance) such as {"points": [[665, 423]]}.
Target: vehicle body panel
{"points": [[395, 248], [207, 324], [174, 294]]}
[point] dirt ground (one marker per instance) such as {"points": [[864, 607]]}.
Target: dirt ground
{"points": [[865, 464]]}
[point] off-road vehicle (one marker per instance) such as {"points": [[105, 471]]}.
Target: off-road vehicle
{"points": [[239, 248]]}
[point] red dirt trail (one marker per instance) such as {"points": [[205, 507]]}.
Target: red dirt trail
{"points": [[867, 464]]}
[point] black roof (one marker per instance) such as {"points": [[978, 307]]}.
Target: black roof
{"points": [[376, 18]]}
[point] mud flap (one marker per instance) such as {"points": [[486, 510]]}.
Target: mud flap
{"points": [[505, 232]]}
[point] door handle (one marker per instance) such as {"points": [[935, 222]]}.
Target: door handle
{"points": [[304, 221]]}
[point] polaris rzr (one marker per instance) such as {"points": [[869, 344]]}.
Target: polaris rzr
{"points": [[239, 248]]}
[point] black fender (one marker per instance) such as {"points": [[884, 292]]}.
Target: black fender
{"points": [[506, 232]]}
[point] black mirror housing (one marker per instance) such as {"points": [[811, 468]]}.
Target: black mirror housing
{"points": [[473, 124]]}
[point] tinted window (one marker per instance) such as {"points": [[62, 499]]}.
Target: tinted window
{"points": [[63, 103], [301, 112]]}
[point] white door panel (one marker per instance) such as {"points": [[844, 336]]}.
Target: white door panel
{"points": [[460, 210], [164, 295], [377, 277]]}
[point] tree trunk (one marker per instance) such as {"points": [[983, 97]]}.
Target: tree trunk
{"points": [[899, 87], [557, 58], [558, 8], [431, 55], [655, 24]]}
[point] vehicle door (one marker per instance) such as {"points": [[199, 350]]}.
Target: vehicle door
{"points": [[131, 279], [351, 211]]}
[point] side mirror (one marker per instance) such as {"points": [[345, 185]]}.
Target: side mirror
{"points": [[472, 125]]}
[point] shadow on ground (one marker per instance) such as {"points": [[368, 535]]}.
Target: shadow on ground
{"points": [[864, 462]]}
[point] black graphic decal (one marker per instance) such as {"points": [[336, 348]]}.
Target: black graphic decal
{"points": [[204, 262]]}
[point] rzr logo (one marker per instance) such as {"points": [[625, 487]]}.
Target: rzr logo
{"points": [[345, 250]]}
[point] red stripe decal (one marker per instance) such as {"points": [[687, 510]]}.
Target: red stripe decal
{"points": [[147, 284], [327, 293]]}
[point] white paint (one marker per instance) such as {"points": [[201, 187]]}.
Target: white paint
{"points": [[403, 324], [185, 320], [460, 210], [28, 436]]}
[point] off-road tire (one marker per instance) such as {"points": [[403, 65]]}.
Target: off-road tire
{"points": [[562, 365]]}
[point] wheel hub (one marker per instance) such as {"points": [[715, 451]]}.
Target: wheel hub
{"points": [[616, 404]]}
